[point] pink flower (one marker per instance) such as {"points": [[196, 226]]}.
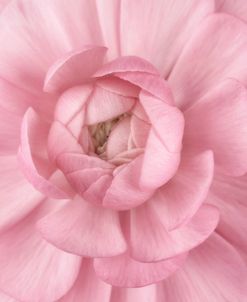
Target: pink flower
{"points": [[123, 147]]}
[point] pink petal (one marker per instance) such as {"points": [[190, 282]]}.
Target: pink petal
{"points": [[33, 137], [98, 189], [72, 102], [182, 196], [41, 33], [10, 124], [84, 229], [229, 195], [105, 105], [218, 122], [159, 164], [129, 64], [148, 226], [139, 131], [123, 271], [88, 287], [5, 298], [34, 270], [153, 84], [125, 191], [118, 86], [71, 162], [167, 121], [74, 68], [58, 132], [144, 294], [147, 29], [207, 66], [118, 138], [237, 8], [213, 272], [16, 101], [18, 197], [81, 180]]}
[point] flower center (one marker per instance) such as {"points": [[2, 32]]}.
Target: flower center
{"points": [[100, 133]]}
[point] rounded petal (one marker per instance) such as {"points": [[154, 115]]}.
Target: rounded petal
{"points": [[229, 195], [123, 271], [125, 191], [213, 272], [74, 68], [219, 122], [148, 226], [84, 229], [33, 270], [88, 287], [18, 197], [105, 105], [33, 140], [207, 66], [41, 33], [147, 29], [181, 197]]}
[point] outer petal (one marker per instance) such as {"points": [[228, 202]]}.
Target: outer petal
{"points": [[84, 229], [42, 32], [182, 196], [147, 226], [213, 272], [218, 122], [33, 141], [219, 34], [123, 271], [88, 287], [18, 197], [147, 29], [4, 298], [143, 294], [74, 68], [33, 270], [230, 196], [237, 8]]}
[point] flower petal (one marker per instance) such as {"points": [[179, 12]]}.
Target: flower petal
{"points": [[41, 33], [84, 229], [237, 8], [18, 197], [230, 196], [125, 191], [123, 271], [74, 68], [213, 272], [182, 196], [147, 29], [147, 226], [34, 270], [218, 122], [88, 287], [104, 105], [33, 141], [207, 66]]}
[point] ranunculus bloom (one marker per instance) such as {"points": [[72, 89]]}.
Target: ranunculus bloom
{"points": [[123, 129]]}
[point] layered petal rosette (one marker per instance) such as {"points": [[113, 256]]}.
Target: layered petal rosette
{"points": [[123, 151]]}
